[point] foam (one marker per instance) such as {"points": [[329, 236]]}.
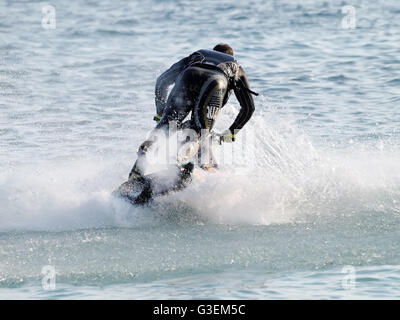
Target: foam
{"points": [[287, 179]]}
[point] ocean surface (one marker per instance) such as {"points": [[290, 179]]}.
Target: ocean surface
{"points": [[313, 212]]}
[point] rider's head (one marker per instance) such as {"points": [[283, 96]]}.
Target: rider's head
{"points": [[223, 47]]}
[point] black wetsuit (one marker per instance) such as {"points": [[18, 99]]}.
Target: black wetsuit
{"points": [[203, 83]]}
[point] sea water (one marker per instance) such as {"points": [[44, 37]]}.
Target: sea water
{"points": [[313, 212]]}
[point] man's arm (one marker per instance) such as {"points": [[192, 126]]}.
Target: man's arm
{"points": [[246, 102]]}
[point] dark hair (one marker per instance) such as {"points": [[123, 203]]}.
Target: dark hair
{"points": [[223, 47]]}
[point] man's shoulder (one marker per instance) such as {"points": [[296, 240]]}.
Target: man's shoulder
{"points": [[216, 54], [203, 51], [198, 52], [196, 56], [230, 68]]}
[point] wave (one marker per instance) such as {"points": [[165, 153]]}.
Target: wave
{"points": [[287, 179], [282, 177]]}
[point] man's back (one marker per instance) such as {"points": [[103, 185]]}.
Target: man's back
{"points": [[207, 59]]}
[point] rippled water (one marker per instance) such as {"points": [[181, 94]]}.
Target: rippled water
{"points": [[319, 191]]}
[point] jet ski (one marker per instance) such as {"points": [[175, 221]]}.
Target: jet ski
{"points": [[140, 189]]}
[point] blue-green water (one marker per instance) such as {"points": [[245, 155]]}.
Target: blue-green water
{"points": [[318, 195]]}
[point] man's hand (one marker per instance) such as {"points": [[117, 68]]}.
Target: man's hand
{"points": [[227, 136], [157, 118]]}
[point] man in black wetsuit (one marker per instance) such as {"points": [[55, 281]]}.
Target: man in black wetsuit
{"points": [[203, 83]]}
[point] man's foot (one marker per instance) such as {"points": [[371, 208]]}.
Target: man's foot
{"points": [[209, 168]]}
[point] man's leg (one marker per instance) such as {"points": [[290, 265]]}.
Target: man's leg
{"points": [[137, 169], [206, 111], [179, 104], [206, 157]]}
